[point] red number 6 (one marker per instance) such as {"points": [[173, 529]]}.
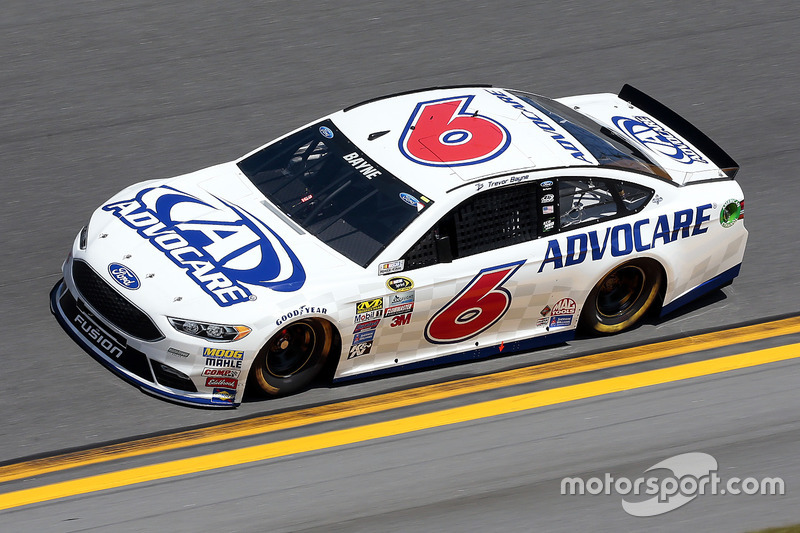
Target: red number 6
{"points": [[475, 309], [440, 133]]}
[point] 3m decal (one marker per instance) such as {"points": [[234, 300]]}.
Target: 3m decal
{"points": [[400, 320], [399, 284], [657, 138], [476, 308], [359, 349], [442, 133], [124, 276], [624, 239], [221, 247]]}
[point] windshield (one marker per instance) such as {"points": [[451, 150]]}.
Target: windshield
{"points": [[605, 145], [324, 183]]}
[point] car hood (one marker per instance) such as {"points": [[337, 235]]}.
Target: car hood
{"points": [[206, 244]]}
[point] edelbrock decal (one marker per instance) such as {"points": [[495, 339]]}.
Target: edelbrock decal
{"points": [[656, 137], [221, 247]]}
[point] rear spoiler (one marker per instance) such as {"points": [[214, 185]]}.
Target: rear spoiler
{"points": [[682, 127]]}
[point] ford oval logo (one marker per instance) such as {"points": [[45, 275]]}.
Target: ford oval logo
{"points": [[124, 276]]}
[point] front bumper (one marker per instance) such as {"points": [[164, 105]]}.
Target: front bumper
{"points": [[113, 350]]}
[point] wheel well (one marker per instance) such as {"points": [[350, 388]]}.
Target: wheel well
{"points": [[334, 356], [659, 299], [334, 353]]}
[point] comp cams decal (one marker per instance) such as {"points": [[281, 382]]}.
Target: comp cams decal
{"points": [[657, 138], [221, 247], [442, 133]]}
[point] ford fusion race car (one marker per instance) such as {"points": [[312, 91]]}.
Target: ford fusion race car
{"points": [[409, 230]]}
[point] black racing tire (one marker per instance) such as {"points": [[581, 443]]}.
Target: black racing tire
{"points": [[622, 297], [293, 357]]}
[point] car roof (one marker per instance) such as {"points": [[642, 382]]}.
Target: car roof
{"points": [[382, 129]]}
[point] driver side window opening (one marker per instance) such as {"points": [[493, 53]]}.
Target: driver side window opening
{"points": [[511, 215], [488, 221]]}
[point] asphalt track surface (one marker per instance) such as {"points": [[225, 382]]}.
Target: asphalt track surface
{"points": [[96, 96]]}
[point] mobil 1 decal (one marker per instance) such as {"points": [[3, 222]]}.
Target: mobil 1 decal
{"points": [[442, 133], [475, 309]]}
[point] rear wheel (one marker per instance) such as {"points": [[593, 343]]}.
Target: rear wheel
{"points": [[622, 297], [293, 357]]}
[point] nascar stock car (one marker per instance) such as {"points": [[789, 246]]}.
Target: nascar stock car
{"points": [[413, 229]]}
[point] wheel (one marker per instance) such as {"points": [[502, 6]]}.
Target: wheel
{"points": [[622, 297], [293, 357]]}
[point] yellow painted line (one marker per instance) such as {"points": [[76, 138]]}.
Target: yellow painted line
{"points": [[404, 398], [467, 413]]}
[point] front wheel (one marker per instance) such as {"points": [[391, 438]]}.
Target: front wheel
{"points": [[293, 357], [622, 297]]}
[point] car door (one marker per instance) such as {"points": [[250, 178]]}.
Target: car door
{"points": [[476, 280]]}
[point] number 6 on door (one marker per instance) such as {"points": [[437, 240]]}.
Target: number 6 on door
{"points": [[476, 308]]}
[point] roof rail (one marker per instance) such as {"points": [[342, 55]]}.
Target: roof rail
{"points": [[415, 91]]}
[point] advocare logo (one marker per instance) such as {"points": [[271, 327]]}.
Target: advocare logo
{"points": [[124, 276], [653, 135], [220, 246]]}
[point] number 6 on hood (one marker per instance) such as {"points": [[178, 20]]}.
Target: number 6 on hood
{"points": [[476, 308]]}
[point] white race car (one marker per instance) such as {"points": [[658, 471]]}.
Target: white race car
{"points": [[410, 230]]}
